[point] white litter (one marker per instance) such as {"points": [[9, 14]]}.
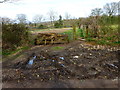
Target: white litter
{"points": [[62, 58], [31, 61], [113, 65], [75, 56]]}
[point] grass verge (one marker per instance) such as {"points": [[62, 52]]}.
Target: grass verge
{"points": [[57, 48], [7, 52]]}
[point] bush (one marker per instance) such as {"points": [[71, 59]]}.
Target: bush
{"points": [[42, 27], [56, 25], [14, 35], [59, 23]]}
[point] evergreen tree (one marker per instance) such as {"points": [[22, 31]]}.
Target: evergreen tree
{"points": [[60, 21]]}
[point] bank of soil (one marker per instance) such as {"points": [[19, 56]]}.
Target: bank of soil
{"points": [[77, 65]]}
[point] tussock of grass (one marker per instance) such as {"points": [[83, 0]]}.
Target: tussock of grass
{"points": [[57, 48], [8, 52]]}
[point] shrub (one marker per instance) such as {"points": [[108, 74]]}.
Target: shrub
{"points": [[14, 35], [56, 25], [42, 27]]}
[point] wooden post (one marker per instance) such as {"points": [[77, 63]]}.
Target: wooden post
{"points": [[45, 41], [74, 32], [86, 31], [52, 41]]}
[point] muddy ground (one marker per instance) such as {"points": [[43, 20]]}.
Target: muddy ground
{"points": [[77, 65]]}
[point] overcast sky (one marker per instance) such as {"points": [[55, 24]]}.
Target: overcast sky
{"points": [[76, 8]]}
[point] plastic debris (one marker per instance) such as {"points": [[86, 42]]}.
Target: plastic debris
{"points": [[68, 77], [30, 62], [62, 58], [38, 76], [53, 60], [62, 65], [59, 62], [113, 65], [90, 54], [42, 57], [34, 57], [75, 56]]}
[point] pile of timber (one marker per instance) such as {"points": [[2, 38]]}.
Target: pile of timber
{"points": [[51, 38]]}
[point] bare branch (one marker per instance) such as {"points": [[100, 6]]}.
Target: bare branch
{"points": [[37, 18], [9, 1], [111, 8], [96, 12], [67, 16], [21, 18]]}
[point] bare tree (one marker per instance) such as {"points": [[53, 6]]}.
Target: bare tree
{"points": [[67, 16], [111, 8], [119, 8], [37, 18], [52, 16], [6, 20], [95, 20], [21, 18], [96, 12]]}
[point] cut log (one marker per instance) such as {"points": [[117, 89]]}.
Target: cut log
{"points": [[51, 38]]}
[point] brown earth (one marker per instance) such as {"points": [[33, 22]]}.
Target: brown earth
{"points": [[82, 66]]}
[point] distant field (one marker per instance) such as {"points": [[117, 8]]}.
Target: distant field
{"points": [[59, 30]]}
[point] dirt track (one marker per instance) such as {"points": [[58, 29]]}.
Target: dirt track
{"points": [[85, 66]]}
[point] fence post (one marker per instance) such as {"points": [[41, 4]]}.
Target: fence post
{"points": [[74, 33]]}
